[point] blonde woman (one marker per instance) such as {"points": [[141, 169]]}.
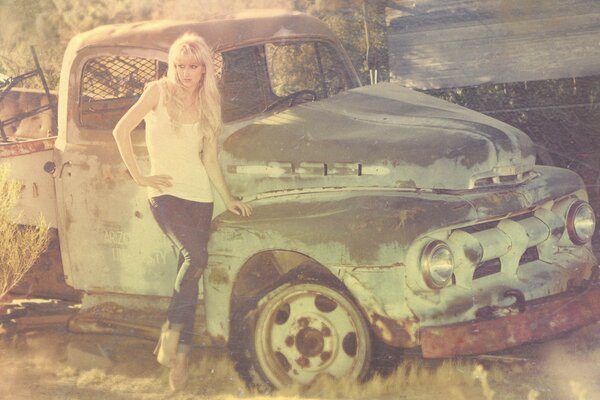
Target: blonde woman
{"points": [[182, 113]]}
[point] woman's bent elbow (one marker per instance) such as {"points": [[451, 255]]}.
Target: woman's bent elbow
{"points": [[118, 133]]}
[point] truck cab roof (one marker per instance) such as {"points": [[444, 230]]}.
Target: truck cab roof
{"points": [[220, 34]]}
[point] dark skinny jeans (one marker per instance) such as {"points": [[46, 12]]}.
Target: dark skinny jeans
{"points": [[187, 224]]}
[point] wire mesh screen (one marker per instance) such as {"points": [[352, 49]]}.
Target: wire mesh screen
{"points": [[218, 63], [111, 84], [117, 77]]}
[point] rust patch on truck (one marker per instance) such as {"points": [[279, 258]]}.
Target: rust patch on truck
{"points": [[218, 276], [26, 147], [539, 320], [400, 333], [407, 215]]}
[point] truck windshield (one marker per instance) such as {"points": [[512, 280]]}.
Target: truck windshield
{"points": [[258, 77], [313, 66]]}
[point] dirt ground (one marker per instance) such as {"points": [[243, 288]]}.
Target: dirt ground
{"points": [[52, 363]]}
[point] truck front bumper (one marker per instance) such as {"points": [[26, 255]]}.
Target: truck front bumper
{"points": [[538, 319]]}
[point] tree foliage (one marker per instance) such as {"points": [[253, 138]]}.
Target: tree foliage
{"points": [[28, 23]]}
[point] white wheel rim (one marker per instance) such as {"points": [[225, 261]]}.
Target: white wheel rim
{"points": [[306, 330]]}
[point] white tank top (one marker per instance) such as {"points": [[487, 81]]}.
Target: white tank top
{"points": [[176, 154]]}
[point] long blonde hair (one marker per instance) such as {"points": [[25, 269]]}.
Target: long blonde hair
{"points": [[208, 100]]}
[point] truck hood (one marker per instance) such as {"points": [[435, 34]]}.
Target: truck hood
{"points": [[404, 138]]}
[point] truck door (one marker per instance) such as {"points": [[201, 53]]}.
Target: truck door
{"points": [[109, 239]]}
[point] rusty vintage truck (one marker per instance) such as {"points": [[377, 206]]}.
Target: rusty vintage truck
{"points": [[380, 214]]}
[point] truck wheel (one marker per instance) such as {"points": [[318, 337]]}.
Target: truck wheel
{"points": [[300, 331]]}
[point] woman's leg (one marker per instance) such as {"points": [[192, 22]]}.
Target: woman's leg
{"points": [[186, 223]]}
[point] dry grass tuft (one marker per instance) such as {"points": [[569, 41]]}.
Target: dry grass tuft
{"points": [[452, 379], [481, 375], [214, 376], [20, 246], [578, 390], [91, 377]]}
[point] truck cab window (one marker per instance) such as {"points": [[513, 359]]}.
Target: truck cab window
{"points": [[243, 82], [297, 66], [110, 85]]}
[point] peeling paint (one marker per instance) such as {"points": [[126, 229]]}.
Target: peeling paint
{"points": [[395, 333], [406, 216], [21, 148], [218, 276], [406, 183], [361, 223]]}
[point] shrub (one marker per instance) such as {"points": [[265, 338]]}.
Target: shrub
{"points": [[20, 246]]}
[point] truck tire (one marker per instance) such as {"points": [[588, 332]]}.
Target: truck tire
{"points": [[300, 331]]}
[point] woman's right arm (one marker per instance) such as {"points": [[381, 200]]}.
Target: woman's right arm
{"points": [[122, 133]]}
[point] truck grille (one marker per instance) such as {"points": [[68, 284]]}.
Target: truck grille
{"points": [[494, 266], [503, 246]]}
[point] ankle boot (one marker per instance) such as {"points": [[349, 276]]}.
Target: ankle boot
{"points": [[166, 348], [179, 372]]}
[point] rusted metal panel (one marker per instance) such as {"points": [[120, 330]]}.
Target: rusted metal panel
{"points": [[540, 319], [25, 147], [393, 332], [25, 102]]}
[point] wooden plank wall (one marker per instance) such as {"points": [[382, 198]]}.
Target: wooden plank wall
{"points": [[451, 43]]}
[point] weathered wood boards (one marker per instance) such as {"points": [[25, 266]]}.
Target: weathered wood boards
{"points": [[450, 43]]}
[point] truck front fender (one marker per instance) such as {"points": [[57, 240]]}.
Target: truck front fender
{"points": [[330, 231]]}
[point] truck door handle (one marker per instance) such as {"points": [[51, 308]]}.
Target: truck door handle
{"points": [[62, 168], [50, 167]]}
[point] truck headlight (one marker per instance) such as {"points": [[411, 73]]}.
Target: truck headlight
{"points": [[581, 222], [437, 264]]}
